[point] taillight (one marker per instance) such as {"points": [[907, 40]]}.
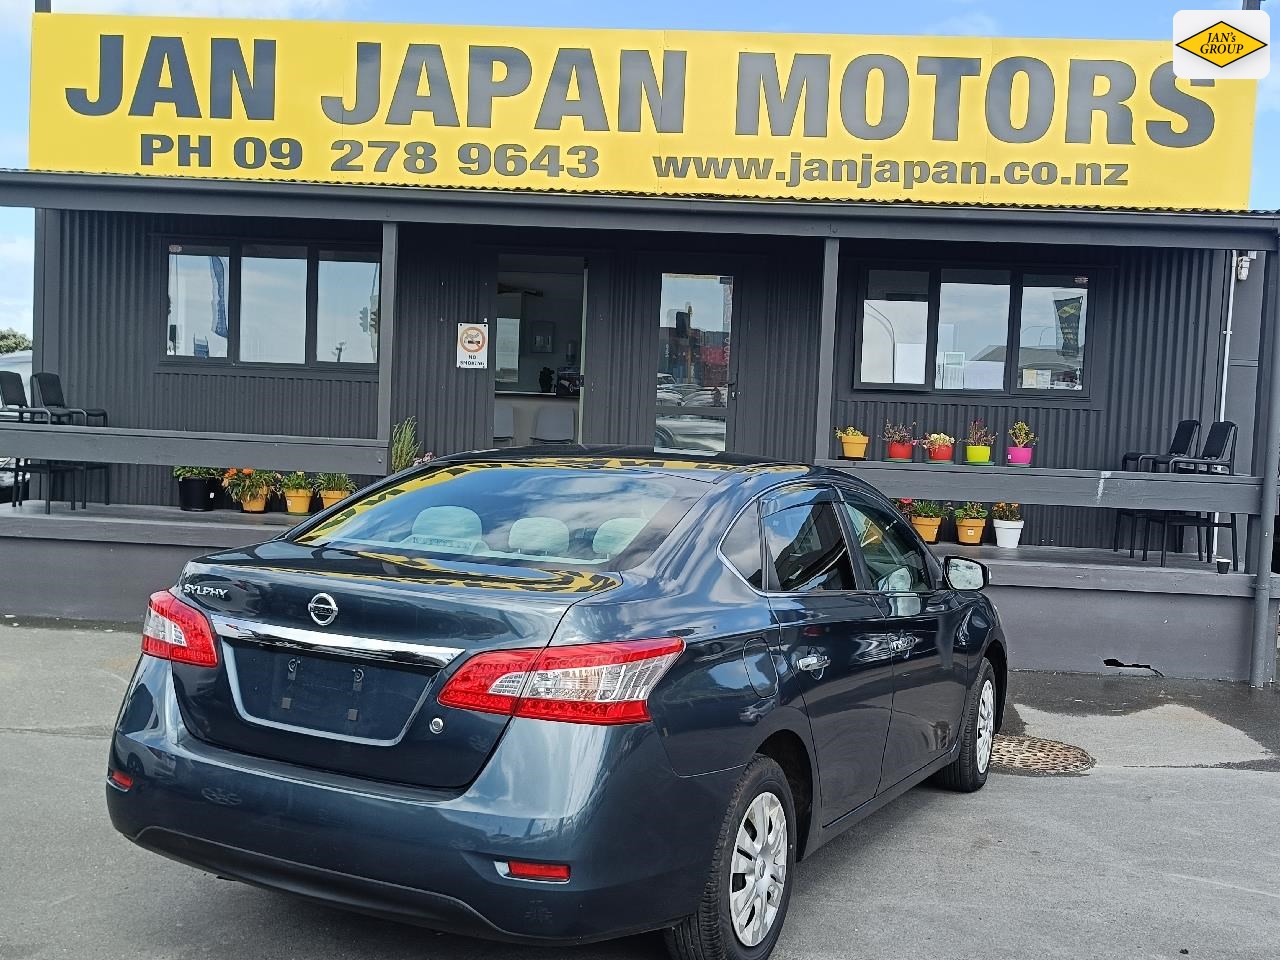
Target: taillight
{"points": [[588, 683], [175, 631]]}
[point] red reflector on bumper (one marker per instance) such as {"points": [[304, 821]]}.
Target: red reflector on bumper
{"points": [[558, 872], [121, 780]]}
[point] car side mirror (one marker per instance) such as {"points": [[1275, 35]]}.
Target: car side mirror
{"points": [[963, 573]]}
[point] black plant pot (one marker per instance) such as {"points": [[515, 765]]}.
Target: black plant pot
{"points": [[196, 494]]}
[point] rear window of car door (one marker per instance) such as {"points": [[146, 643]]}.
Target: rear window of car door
{"points": [[806, 550], [896, 562]]}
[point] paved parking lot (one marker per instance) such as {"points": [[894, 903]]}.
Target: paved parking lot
{"points": [[1169, 847]]}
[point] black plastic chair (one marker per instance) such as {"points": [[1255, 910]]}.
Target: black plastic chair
{"points": [[49, 388], [13, 401], [1180, 445], [1218, 455]]}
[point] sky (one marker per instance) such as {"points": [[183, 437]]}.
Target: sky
{"points": [[1103, 19]]}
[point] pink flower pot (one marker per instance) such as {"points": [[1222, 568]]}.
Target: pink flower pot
{"points": [[1020, 456]]}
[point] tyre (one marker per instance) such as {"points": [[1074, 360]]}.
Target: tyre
{"points": [[968, 772], [748, 889]]}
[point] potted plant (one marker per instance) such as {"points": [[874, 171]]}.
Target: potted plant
{"points": [[405, 448], [971, 520], [250, 487], [853, 442], [197, 487], [978, 443], [939, 447], [898, 441], [1007, 519], [296, 488], [332, 487], [926, 517], [1021, 440]]}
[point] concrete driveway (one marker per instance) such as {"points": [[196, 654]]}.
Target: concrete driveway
{"points": [[1169, 847]]}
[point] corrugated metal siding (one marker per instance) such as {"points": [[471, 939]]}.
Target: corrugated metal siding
{"points": [[442, 284], [777, 317], [620, 352], [110, 329], [1157, 337], [1159, 342]]}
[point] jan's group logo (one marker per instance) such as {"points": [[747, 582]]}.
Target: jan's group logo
{"points": [[1221, 44]]}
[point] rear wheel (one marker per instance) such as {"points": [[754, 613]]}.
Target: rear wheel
{"points": [[749, 887], [968, 772]]}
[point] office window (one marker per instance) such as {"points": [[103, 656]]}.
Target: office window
{"points": [[1051, 332], [973, 330], [895, 327], [273, 304], [985, 330], [347, 307], [199, 279], [259, 303]]}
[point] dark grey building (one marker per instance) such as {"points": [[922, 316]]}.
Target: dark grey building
{"points": [[291, 325]]}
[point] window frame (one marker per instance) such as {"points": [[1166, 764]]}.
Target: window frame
{"points": [[1099, 287], [235, 256]]}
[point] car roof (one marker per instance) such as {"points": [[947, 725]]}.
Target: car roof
{"points": [[629, 457]]}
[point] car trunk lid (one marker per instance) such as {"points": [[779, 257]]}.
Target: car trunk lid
{"points": [[333, 659]]}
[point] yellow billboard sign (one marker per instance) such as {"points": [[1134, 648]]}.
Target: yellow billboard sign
{"points": [[668, 113]]}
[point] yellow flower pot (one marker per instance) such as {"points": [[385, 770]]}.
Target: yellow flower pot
{"points": [[970, 531], [976, 454], [854, 448], [330, 497], [927, 527], [297, 501], [256, 504]]}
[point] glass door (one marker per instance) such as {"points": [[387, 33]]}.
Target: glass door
{"points": [[695, 387], [538, 348]]}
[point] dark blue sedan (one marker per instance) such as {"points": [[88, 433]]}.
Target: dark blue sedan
{"points": [[557, 697]]}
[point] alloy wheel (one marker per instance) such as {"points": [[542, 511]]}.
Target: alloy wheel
{"points": [[986, 725], [758, 874]]}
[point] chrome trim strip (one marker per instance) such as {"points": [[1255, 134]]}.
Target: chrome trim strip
{"points": [[369, 648]]}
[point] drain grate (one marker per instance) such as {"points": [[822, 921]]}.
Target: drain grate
{"points": [[1036, 755]]}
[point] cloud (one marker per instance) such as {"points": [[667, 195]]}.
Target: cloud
{"points": [[973, 24], [17, 259]]}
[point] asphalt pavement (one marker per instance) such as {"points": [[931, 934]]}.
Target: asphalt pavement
{"points": [[1168, 848]]}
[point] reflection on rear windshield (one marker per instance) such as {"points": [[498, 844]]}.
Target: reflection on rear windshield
{"points": [[517, 513]]}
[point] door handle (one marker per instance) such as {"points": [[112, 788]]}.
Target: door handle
{"points": [[814, 663], [902, 643]]}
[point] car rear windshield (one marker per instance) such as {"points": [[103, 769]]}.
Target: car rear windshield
{"points": [[519, 514]]}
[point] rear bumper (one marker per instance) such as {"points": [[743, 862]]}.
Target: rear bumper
{"points": [[605, 800]]}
